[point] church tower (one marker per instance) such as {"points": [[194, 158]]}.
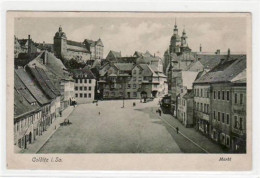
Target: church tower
{"points": [[175, 40], [60, 44], [184, 38]]}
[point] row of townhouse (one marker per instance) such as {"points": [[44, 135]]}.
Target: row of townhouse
{"points": [[129, 80], [220, 104], [194, 90], [43, 89]]}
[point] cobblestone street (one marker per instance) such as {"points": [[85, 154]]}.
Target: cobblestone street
{"points": [[121, 130]]}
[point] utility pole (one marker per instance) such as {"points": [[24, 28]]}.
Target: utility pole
{"points": [[124, 81]]}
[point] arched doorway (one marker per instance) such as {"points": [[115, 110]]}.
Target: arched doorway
{"points": [[154, 93]]}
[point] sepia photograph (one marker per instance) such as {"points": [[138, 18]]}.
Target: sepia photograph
{"points": [[130, 83]]}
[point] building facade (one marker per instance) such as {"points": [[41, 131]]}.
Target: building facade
{"points": [[96, 48], [220, 106], [85, 85]]}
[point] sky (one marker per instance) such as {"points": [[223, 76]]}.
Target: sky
{"points": [[130, 34]]}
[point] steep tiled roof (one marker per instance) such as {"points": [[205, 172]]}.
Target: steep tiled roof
{"points": [[124, 66], [21, 105], [147, 59], [32, 86], [84, 73], [48, 81], [42, 83], [22, 89], [126, 60], [116, 54], [75, 43], [147, 71], [240, 78], [225, 71]]}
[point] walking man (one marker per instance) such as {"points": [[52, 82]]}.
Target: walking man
{"points": [[177, 130], [160, 112]]}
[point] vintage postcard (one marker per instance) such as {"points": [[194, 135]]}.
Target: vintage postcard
{"points": [[129, 91]]}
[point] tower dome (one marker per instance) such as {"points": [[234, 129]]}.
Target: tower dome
{"points": [[60, 33]]}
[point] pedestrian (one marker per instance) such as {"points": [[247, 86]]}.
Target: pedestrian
{"points": [[98, 113], [133, 104], [96, 104], [177, 130], [160, 112]]}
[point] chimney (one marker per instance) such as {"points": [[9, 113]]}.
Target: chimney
{"points": [[200, 48], [29, 46], [228, 53], [45, 58], [217, 52]]}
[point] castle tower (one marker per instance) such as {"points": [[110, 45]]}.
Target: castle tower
{"points": [[60, 44]]}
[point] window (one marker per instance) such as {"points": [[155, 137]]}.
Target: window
{"points": [[134, 86], [77, 81], [236, 122], [241, 98], [223, 117], [219, 95], [195, 104], [218, 116], [134, 71], [135, 94], [183, 102], [89, 95], [214, 115], [80, 80], [205, 108], [240, 123], [89, 88], [235, 98], [201, 92], [129, 86], [76, 95], [223, 95], [201, 107], [198, 106], [85, 88], [227, 119], [80, 88], [86, 81], [89, 80], [134, 79], [85, 95], [207, 93], [214, 94], [140, 72], [227, 95], [76, 88], [80, 95]]}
